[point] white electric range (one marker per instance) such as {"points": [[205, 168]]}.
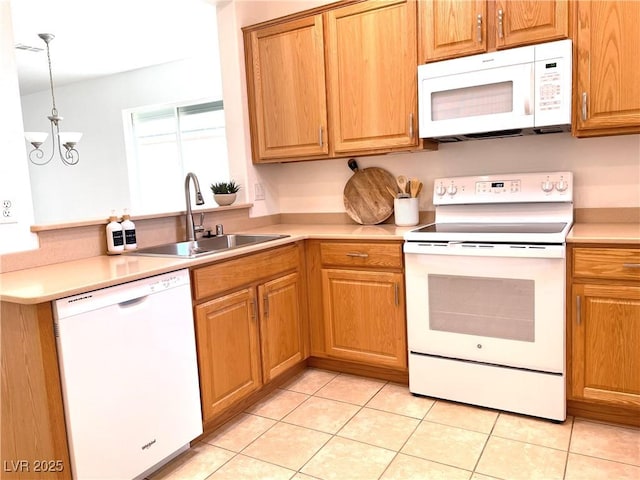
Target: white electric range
{"points": [[485, 288]]}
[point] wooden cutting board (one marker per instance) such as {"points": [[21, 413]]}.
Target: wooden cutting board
{"points": [[366, 198]]}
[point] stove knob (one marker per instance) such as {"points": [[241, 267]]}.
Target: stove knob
{"points": [[452, 189], [562, 185], [440, 190], [547, 186]]}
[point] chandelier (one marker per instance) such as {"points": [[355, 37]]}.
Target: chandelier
{"points": [[68, 140]]}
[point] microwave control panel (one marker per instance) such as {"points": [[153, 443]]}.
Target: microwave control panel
{"points": [[553, 83]]}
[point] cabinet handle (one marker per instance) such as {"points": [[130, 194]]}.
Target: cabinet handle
{"points": [[357, 255], [500, 28], [631, 265], [479, 24], [266, 306], [397, 294], [578, 309], [320, 135], [254, 308], [411, 125], [584, 106]]}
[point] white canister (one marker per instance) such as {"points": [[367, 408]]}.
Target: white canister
{"points": [[406, 211]]}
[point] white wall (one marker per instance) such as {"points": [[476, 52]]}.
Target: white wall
{"points": [[14, 174], [99, 182], [606, 170]]}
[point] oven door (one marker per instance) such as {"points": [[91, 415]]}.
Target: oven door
{"points": [[493, 304]]}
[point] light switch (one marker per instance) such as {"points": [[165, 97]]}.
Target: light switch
{"points": [[259, 192]]}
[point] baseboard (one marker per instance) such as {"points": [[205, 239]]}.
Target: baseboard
{"points": [[382, 373]]}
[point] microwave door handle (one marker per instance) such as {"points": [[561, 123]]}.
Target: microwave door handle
{"points": [[528, 99]]}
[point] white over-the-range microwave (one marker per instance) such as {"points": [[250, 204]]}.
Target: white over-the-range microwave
{"points": [[513, 92]]}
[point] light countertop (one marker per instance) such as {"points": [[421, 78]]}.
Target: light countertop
{"points": [[50, 282], [611, 233]]}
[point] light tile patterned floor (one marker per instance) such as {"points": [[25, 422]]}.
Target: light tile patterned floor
{"points": [[324, 425]]}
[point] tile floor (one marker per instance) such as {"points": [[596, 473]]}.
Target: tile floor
{"points": [[324, 425]]}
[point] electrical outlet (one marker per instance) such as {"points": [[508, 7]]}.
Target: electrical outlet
{"points": [[259, 191], [8, 212]]}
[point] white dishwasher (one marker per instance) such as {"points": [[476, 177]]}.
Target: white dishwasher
{"points": [[129, 374]]}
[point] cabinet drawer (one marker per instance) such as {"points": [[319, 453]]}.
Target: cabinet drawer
{"points": [[610, 263], [386, 255], [224, 276]]}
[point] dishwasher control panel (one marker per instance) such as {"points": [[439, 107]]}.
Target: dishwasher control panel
{"points": [[124, 293]]}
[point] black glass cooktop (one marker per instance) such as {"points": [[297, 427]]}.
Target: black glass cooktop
{"points": [[492, 228]]}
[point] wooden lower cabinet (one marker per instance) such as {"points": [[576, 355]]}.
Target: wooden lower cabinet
{"points": [[606, 344], [252, 333], [603, 333], [364, 316], [281, 330], [32, 420], [357, 312], [228, 350]]}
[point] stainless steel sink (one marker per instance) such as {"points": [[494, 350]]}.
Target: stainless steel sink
{"points": [[204, 246]]}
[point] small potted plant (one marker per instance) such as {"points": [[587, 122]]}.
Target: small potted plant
{"points": [[224, 193]]}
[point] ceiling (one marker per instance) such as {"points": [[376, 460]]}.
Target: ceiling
{"points": [[96, 38]]}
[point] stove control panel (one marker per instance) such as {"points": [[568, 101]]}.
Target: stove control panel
{"points": [[504, 188]]}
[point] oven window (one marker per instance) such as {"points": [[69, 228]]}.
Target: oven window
{"points": [[472, 101], [489, 307]]}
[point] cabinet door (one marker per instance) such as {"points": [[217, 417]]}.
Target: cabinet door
{"points": [[533, 21], [228, 350], [371, 75], [451, 28], [606, 344], [364, 316], [280, 325], [607, 94], [289, 112]]}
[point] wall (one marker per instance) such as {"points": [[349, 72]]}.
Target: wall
{"points": [[606, 170], [14, 174], [99, 183]]}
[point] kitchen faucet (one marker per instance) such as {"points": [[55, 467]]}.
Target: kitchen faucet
{"points": [[191, 228]]}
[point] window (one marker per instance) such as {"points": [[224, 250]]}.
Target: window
{"points": [[168, 142]]}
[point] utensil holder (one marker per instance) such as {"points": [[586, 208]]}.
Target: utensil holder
{"points": [[406, 211]]}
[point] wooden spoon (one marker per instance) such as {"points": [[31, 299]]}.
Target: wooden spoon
{"points": [[414, 183], [402, 183]]}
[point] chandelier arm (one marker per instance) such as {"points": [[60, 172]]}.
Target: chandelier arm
{"points": [[37, 154], [71, 157]]}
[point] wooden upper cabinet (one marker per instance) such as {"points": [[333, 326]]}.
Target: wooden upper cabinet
{"points": [[607, 66], [532, 21], [452, 28], [286, 83], [455, 28], [371, 75]]}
